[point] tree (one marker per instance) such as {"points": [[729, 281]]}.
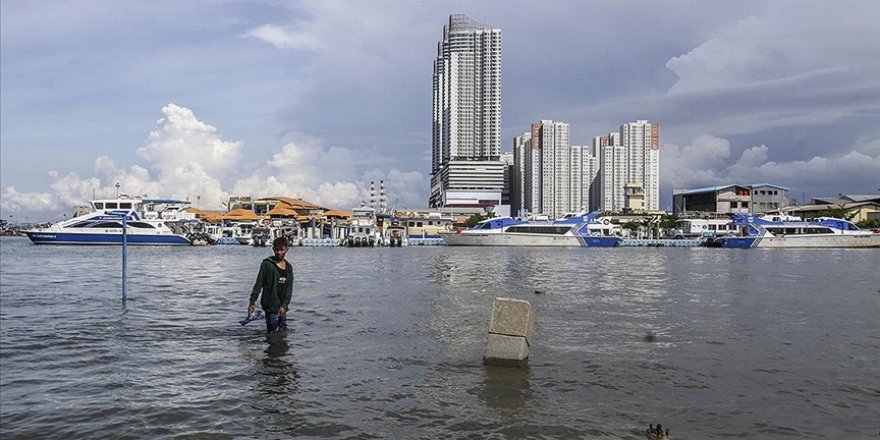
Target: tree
{"points": [[837, 211], [632, 226], [474, 219], [869, 223]]}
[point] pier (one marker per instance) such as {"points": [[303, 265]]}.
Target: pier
{"points": [[660, 242]]}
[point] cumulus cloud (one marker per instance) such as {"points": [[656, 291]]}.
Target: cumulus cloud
{"points": [[708, 161], [14, 201], [180, 139], [187, 159], [329, 177]]}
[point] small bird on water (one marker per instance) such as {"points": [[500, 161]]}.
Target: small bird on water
{"points": [[657, 433]]}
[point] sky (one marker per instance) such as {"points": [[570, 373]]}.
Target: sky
{"points": [[202, 100]]}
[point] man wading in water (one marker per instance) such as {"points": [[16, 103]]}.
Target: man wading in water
{"points": [[276, 282]]}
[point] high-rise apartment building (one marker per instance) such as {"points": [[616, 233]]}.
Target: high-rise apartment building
{"points": [[466, 145], [611, 158], [522, 146], [584, 170], [641, 140], [555, 145], [629, 162]]}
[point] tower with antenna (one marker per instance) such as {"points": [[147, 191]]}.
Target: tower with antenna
{"points": [[383, 202], [373, 195]]}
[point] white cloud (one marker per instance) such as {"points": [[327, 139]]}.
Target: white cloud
{"points": [[706, 161], [180, 139], [780, 41], [282, 39], [187, 159], [14, 201]]}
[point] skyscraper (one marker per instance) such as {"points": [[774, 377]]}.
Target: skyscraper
{"points": [[466, 145]]}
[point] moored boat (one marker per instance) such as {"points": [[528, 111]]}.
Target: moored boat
{"points": [[362, 227], [574, 230], [786, 232], [144, 224]]}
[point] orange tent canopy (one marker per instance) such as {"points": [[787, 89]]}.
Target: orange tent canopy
{"points": [[240, 214], [282, 211], [337, 213]]}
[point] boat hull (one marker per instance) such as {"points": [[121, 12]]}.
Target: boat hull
{"points": [[804, 241], [57, 237], [511, 239]]}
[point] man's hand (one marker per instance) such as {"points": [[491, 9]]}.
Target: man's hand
{"points": [[251, 309], [282, 311]]}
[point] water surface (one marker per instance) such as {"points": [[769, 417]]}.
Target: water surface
{"points": [[387, 343]]}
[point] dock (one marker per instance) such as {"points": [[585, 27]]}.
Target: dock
{"points": [[661, 242]]}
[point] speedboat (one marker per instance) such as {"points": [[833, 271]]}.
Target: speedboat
{"points": [[572, 230], [104, 225], [786, 232]]}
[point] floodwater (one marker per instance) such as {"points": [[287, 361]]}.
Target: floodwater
{"points": [[388, 343]]}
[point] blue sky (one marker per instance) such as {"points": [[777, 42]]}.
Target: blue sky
{"points": [[206, 99]]}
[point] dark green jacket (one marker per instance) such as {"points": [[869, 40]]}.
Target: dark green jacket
{"points": [[267, 281]]}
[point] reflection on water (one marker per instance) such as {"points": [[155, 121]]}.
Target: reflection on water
{"points": [[388, 343], [504, 389], [278, 376]]}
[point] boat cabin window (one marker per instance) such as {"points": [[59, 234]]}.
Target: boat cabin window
{"points": [[125, 205], [140, 225], [111, 205], [80, 224], [418, 224], [99, 205], [557, 230], [107, 225]]}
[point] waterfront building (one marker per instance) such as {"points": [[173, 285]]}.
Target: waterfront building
{"points": [[726, 199], [865, 210], [466, 143]]}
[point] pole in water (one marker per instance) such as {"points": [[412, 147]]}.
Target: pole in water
{"points": [[124, 253]]}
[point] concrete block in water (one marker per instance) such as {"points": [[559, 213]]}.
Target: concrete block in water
{"points": [[510, 332], [512, 317], [506, 351]]}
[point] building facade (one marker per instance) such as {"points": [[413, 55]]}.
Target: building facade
{"points": [[746, 199], [641, 140], [522, 146], [555, 147], [609, 188], [467, 116]]}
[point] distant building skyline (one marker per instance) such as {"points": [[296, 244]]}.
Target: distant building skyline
{"points": [[466, 141], [619, 172]]}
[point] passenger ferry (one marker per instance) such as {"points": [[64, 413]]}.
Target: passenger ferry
{"points": [[792, 232], [148, 222], [572, 230]]}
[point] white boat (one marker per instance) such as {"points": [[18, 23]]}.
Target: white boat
{"points": [[573, 230], [362, 227], [244, 232], [104, 225], [786, 232]]}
